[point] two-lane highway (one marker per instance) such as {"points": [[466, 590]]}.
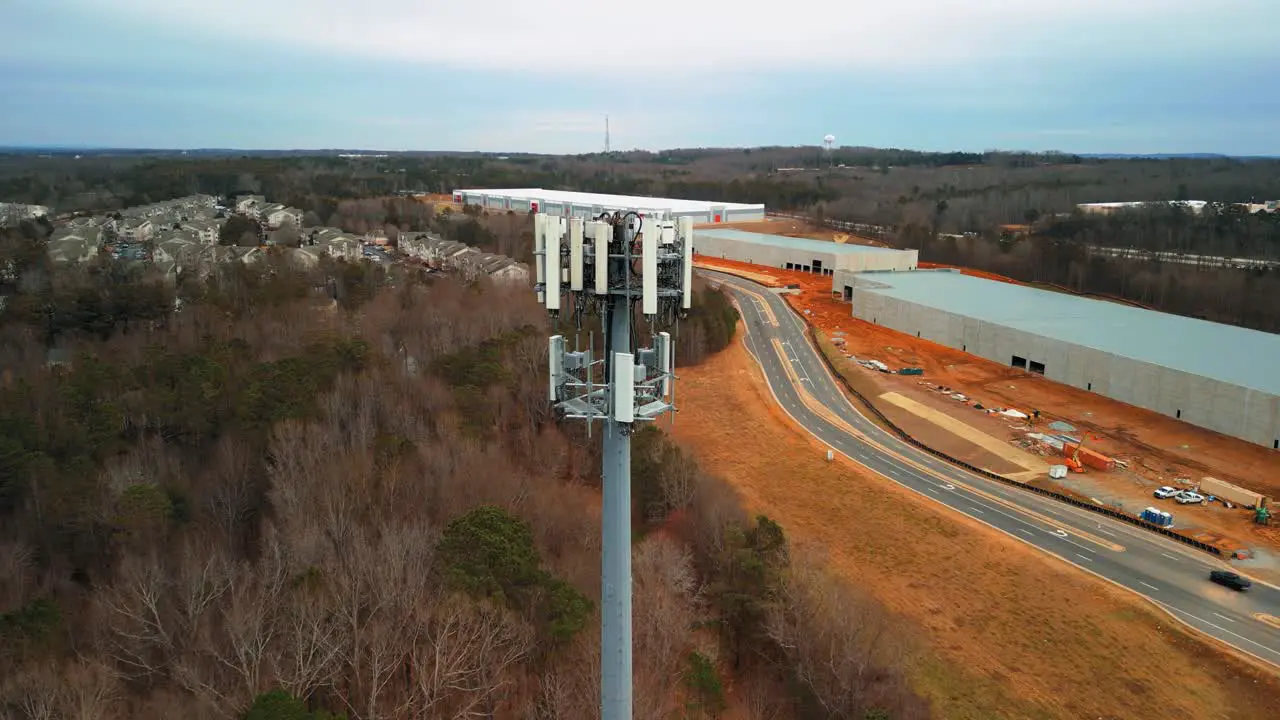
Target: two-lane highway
{"points": [[1173, 576]]}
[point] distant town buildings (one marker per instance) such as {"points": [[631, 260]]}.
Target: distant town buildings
{"points": [[1107, 208], [182, 236], [471, 262], [75, 245], [1195, 206]]}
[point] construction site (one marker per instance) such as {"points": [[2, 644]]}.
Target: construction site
{"points": [[1018, 421], [1211, 375]]}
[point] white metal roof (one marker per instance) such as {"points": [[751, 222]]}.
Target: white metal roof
{"points": [[1227, 353], [612, 202], [1196, 205], [791, 243]]}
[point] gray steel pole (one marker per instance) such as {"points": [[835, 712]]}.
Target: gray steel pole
{"points": [[615, 603]]}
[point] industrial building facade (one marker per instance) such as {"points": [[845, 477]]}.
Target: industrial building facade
{"points": [[840, 261], [585, 205], [1214, 376]]}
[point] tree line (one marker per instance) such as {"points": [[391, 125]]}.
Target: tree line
{"points": [[916, 197]]}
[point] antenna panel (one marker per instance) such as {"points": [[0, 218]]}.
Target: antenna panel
{"points": [[650, 234], [624, 389], [555, 361], [575, 254], [686, 235], [554, 230], [540, 245], [600, 233], [663, 348]]}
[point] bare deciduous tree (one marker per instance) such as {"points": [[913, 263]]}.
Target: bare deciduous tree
{"points": [[230, 494], [841, 645], [249, 621], [36, 693], [462, 661], [90, 692], [17, 578], [665, 589], [140, 626]]}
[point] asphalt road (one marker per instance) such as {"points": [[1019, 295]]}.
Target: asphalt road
{"points": [[1173, 576]]}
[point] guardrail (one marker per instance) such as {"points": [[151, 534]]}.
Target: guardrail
{"points": [[907, 438]]}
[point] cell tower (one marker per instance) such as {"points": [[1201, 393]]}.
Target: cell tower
{"points": [[605, 266]]}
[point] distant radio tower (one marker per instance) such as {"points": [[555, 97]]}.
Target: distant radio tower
{"points": [[606, 134]]}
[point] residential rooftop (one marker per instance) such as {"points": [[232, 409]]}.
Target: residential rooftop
{"points": [[807, 244], [1226, 353], [610, 202]]}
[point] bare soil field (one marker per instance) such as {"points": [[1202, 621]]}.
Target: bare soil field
{"points": [[1006, 632], [1157, 449]]}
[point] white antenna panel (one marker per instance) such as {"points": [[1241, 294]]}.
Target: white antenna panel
{"points": [[664, 363], [649, 264], [540, 245], [600, 232], [575, 254], [554, 232], [624, 389], [686, 235], [555, 360]]}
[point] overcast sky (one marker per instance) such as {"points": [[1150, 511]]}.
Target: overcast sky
{"points": [[1076, 75]]}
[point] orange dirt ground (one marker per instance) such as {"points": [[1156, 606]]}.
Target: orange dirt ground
{"points": [[1006, 631], [1159, 450]]}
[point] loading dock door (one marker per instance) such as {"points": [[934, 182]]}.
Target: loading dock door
{"points": [[848, 292], [817, 266]]}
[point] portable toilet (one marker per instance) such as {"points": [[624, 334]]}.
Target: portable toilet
{"points": [[1158, 517]]}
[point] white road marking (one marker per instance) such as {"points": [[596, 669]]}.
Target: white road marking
{"points": [[1219, 627], [1153, 587], [1168, 556], [1082, 557], [1028, 533], [935, 492], [977, 511], [1224, 617]]}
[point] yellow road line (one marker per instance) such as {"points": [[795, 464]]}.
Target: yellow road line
{"points": [[761, 304], [1271, 620]]}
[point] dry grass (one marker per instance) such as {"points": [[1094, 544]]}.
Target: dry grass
{"points": [[1011, 632]]}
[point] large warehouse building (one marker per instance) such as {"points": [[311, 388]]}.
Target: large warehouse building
{"points": [[840, 261], [580, 204], [1219, 377]]}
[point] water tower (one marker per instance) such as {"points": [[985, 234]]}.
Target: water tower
{"points": [[828, 142]]}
